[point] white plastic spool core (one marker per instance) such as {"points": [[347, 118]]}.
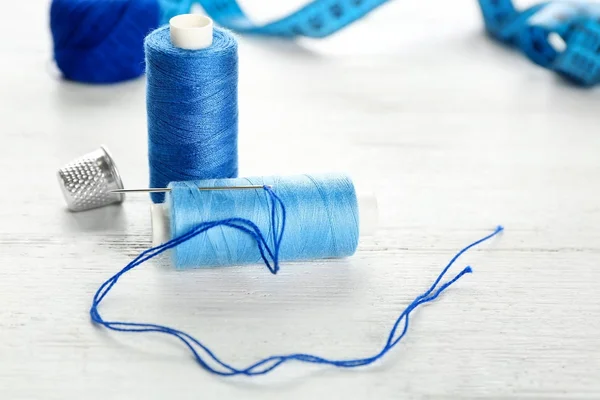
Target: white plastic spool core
{"points": [[161, 224], [191, 31], [367, 214]]}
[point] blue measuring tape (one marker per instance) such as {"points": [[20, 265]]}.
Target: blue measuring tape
{"points": [[532, 30], [317, 19]]}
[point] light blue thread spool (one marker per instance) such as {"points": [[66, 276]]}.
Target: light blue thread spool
{"points": [[323, 212]]}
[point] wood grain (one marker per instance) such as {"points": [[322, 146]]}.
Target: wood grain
{"points": [[454, 133]]}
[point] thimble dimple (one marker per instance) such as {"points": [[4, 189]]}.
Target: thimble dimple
{"points": [[87, 181]]}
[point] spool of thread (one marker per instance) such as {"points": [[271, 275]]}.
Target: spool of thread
{"points": [[101, 41], [192, 73], [324, 218]]}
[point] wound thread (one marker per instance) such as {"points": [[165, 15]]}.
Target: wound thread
{"points": [[101, 42], [192, 110], [321, 219]]}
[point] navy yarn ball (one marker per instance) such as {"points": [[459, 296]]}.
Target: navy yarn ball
{"points": [[101, 41]]}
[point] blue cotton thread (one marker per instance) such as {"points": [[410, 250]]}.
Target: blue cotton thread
{"points": [[530, 29], [319, 18], [192, 110], [322, 219], [269, 251], [101, 41]]}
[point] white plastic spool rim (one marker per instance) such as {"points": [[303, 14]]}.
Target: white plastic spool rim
{"points": [[191, 31]]}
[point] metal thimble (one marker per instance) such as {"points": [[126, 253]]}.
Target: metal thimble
{"points": [[87, 181]]}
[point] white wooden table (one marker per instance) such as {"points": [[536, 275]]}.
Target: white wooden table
{"points": [[453, 132]]}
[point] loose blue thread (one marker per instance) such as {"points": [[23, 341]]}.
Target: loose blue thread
{"points": [[269, 254], [192, 110], [529, 30]]}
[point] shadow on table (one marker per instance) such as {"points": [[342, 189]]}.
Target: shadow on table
{"points": [[110, 218]]}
